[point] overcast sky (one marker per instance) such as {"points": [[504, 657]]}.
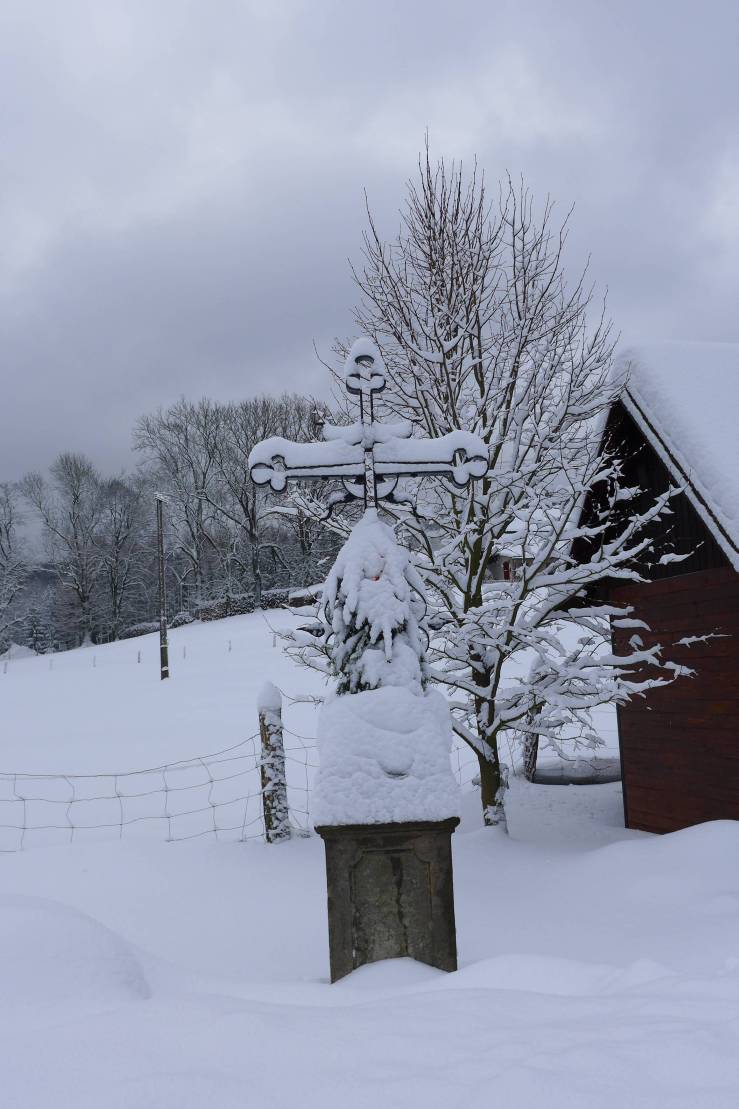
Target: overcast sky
{"points": [[181, 180]]}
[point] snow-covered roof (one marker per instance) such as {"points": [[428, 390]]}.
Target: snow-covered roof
{"points": [[685, 398]]}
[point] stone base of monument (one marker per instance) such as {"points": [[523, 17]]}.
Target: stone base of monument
{"points": [[390, 894]]}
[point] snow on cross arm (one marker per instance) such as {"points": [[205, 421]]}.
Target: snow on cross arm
{"points": [[270, 461], [367, 449]]}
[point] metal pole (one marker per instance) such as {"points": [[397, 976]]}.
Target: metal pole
{"points": [[163, 645], [370, 488]]}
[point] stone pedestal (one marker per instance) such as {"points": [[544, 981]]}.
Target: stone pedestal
{"points": [[390, 894]]}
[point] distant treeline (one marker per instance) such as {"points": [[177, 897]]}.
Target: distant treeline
{"points": [[229, 545]]}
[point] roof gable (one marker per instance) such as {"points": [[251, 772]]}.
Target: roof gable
{"points": [[685, 399]]}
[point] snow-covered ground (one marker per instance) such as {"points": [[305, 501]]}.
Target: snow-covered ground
{"points": [[99, 709], [599, 968]]}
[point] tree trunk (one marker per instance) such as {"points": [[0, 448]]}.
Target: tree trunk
{"points": [[86, 623], [493, 784], [256, 570], [530, 754], [493, 777]]}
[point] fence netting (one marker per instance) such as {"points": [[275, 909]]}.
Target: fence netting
{"points": [[217, 795]]}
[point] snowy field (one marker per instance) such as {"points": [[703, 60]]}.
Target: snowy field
{"points": [[599, 968], [96, 747], [100, 709], [104, 709]]}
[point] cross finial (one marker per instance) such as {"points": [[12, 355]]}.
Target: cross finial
{"points": [[364, 374]]}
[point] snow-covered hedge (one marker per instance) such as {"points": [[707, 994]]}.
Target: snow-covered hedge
{"points": [[275, 598], [239, 604], [145, 628], [181, 619], [304, 598], [217, 608]]}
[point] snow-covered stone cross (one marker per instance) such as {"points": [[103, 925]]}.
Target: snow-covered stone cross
{"points": [[386, 801], [368, 458]]}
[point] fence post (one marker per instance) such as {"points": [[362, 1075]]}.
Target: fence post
{"points": [[272, 765]]}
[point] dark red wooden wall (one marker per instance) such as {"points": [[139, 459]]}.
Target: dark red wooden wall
{"points": [[680, 744]]}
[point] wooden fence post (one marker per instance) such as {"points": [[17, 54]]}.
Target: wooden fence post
{"points": [[272, 765]]}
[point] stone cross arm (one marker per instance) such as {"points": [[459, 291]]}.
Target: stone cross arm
{"points": [[459, 455], [368, 457]]}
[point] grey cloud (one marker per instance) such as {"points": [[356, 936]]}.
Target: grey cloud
{"points": [[181, 183]]}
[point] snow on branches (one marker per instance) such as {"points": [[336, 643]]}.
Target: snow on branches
{"points": [[479, 329]]}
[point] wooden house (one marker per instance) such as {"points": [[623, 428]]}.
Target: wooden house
{"points": [[678, 424]]}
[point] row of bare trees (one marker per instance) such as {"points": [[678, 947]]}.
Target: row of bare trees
{"points": [[13, 569], [199, 453], [93, 574], [94, 534]]}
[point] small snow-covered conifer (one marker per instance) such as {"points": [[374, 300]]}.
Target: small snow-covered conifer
{"points": [[372, 602]]}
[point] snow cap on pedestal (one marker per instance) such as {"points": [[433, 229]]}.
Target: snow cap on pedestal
{"points": [[384, 759]]}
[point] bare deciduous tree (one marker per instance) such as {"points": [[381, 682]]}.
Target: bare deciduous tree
{"points": [[200, 452], [179, 443], [13, 567], [120, 547], [246, 507], [480, 330], [69, 508]]}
